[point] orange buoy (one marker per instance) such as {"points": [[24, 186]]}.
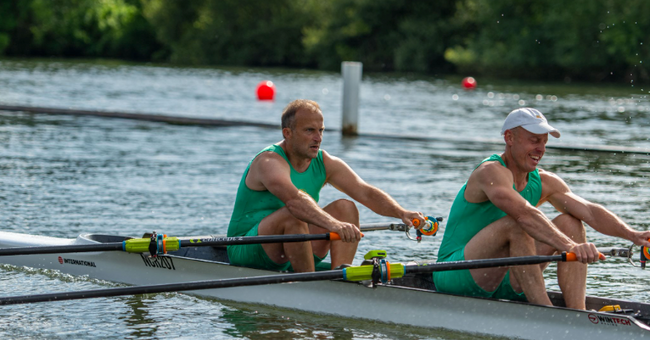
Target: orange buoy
{"points": [[469, 83], [265, 90]]}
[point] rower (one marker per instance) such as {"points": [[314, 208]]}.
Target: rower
{"points": [[496, 214], [279, 192]]}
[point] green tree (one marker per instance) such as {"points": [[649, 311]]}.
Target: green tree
{"points": [[231, 32], [383, 34], [586, 39], [73, 28], [14, 19]]}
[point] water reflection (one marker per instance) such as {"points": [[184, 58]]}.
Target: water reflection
{"points": [[138, 320], [258, 322]]}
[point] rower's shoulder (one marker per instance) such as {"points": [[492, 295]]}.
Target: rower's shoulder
{"points": [[546, 175], [331, 161], [489, 174], [268, 158], [490, 168], [551, 180]]}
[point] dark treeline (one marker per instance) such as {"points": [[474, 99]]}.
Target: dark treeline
{"points": [[591, 40]]}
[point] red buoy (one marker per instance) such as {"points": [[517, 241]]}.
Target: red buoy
{"points": [[469, 83], [265, 90]]}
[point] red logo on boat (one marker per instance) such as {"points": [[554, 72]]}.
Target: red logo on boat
{"points": [[606, 320], [60, 260]]}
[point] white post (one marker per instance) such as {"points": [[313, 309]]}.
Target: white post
{"points": [[351, 71]]}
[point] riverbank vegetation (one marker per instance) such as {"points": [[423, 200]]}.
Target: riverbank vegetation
{"points": [[589, 40]]}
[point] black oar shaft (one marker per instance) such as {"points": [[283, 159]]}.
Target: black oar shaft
{"points": [[174, 287], [485, 263], [77, 248], [222, 241], [198, 242], [271, 279], [192, 242]]}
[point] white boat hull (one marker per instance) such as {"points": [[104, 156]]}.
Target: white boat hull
{"points": [[393, 304]]}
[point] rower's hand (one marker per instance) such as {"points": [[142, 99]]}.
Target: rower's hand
{"points": [[641, 238], [585, 252], [348, 231], [409, 216]]}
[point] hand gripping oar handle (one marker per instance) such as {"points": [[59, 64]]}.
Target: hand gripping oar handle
{"points": [[572, 257]]}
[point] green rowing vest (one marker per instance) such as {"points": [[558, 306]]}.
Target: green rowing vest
{"points": [[467, 219], [252, 206]]}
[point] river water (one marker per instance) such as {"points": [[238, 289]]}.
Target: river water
{"points": [[64, 175]]}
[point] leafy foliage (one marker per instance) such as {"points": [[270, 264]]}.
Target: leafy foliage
{"points": [[70, 28], [591, 39], [580, 39], [230, 32]]}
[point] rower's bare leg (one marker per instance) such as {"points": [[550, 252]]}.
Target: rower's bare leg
{"points": [[505, 238], [341, 252], [571, 276], [282, 222]]}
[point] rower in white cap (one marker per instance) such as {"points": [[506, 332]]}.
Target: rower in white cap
{"points": [[495, 214]]}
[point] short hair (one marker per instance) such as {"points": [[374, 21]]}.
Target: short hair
{"points": [[289, 113]]}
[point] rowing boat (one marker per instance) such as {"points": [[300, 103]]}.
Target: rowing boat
{"points": [[411, 300]]}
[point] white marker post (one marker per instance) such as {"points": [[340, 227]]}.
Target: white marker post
{"points": [[351, 71]]}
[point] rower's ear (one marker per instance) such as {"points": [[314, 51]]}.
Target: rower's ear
{"points": [[508, 137], [286, 132]]}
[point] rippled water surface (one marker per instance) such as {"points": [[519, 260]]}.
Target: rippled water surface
{"points": [[63, 175]]}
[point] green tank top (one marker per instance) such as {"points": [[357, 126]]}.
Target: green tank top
{"points": [[252, 206], [467, 219]]}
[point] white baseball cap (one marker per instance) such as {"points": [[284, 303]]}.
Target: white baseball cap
{"points": [[529, 119]]}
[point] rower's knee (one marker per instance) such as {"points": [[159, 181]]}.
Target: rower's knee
{"points": [[343, 210], [571, 227], [516, 233], [293, 225]]}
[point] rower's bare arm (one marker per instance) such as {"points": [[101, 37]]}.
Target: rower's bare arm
{"points": [[496, 182], [274, 175], [558, 193], [341, 176]]}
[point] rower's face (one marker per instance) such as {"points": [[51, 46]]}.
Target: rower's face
{"points": [[528, 148], [307, 134]]}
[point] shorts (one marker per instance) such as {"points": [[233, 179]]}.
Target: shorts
{"points": [[461, 282], [254, 256]]}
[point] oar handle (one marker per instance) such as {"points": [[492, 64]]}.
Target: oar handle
{"points": [[427, 227], [572, 257], [337, 237]]}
